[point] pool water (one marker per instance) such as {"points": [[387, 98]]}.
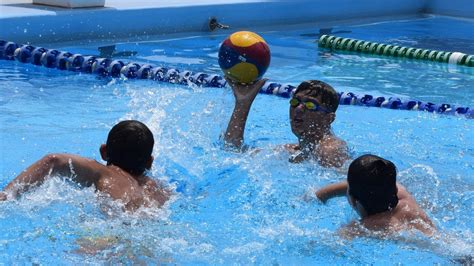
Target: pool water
{"points": [[246, 208]]}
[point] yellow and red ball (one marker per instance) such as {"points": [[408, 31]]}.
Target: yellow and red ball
{"points": [[244, 57]]}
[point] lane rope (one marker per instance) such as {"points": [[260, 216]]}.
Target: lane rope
{"points": [[106, 67], [365, 47]]}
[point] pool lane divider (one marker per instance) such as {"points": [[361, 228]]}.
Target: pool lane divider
{"points": [[106, 67], [365, 47], [103, 67], [349, 98]]}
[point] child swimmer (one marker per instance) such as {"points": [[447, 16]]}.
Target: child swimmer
{"points": [[384, 205]]}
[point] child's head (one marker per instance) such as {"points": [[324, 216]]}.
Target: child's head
{"points": [[372, 183], [312, 108], [329, 98], [129, 146]]}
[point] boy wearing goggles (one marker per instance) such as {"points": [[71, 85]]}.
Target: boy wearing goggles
{"points": [[312, 111]]}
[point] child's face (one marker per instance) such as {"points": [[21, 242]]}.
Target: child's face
{"points": [[308, 116]]}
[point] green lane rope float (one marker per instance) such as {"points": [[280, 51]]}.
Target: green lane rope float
{"points": [[366, 47]]}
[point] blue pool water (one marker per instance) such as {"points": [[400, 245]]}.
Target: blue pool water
{"points": [[230, 207]]}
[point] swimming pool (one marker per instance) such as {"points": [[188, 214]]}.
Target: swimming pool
{"points": [[240, 208]]}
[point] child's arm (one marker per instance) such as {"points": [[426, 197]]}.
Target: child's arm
{"points": [[333, 190], [244, 97], [82, 171]]}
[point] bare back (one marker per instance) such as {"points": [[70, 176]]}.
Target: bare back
{"points": [[406, 215], [133, 191], [120, 185]]}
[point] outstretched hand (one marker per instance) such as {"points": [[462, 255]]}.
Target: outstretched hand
{"points": [[321, 195], [331, 191], [244, 96], [245, 92]]}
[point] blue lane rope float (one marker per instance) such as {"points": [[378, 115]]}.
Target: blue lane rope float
{"points": [[107, 67], [366, 47], [349, 98], [104, 67]]}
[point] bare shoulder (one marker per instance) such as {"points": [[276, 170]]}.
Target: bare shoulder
{"points": [[406, 202], [152, 183], [406, 208], [156, 191], [112, 178], [73, 160], [409, 212], [83, 170], [332, 152], [334, 143], [403, 193], [333, 146]]}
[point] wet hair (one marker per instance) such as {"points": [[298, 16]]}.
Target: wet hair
{"points": [[372, 182], [316, 88], [129, 146]]}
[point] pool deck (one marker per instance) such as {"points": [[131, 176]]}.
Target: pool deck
{"points": [[23, 22]]}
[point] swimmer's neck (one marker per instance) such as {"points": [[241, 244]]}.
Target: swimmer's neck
{"points": [[364, 216], [306, 146], [141, 178], [310, 143]]}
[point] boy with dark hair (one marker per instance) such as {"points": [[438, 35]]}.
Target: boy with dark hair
{"points": [[312, 111], [128, 153], [129, 145], [382, 203]]}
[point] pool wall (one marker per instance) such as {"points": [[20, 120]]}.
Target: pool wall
{"points": [[42, 24], [27, 23], [457, 8]]}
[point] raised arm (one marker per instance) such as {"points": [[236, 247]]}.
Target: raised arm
{"points": [[333, 190], [244, 97], [82, 170]]}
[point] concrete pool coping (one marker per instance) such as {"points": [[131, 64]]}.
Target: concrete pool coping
{"points": [[23, 22]]}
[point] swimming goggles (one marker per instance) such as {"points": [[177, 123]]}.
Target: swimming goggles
{"points": [[308, 105]]}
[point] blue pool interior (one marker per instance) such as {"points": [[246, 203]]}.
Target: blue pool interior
{"points": [[251, 207]]}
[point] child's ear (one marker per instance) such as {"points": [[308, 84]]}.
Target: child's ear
{"points": [[149, 162], [329, 118], [103, 152], [352, 201], [332, 117], [360, 209]]}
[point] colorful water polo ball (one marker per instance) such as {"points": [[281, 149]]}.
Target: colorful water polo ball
{"points": [[244, 57]]}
